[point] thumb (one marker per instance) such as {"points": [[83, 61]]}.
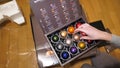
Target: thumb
{"points": [[84, 37]]}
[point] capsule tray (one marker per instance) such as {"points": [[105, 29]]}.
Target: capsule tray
{"points": [[66, 44]]}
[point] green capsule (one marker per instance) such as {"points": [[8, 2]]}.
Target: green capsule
{"points": [[55, 38]]}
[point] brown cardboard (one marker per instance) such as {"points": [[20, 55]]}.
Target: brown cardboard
{"points": [[52, 14], [42, 46], [49, 15]]}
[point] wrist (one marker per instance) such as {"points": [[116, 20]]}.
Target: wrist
{"points": [[106, 36]]}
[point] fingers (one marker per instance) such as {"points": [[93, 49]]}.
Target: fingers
{"points": [[85, 37], [81, 28], [77, 30]]}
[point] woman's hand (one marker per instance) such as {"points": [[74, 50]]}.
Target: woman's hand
{"points": [[93, 33]]}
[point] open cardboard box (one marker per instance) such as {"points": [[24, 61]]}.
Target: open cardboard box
{"points": [[42, 47], [49, 15]]}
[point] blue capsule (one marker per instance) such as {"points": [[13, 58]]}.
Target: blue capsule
{"points": [[65, 55]]}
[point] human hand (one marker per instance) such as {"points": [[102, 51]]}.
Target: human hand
{"points": [[93, 33]]}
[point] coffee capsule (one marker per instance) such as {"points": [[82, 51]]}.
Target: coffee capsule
{"points": [[81, 45], [68, 41], [55, 38], [71, 29], [73, 50], [76, 37], [65, 55], [63, 34], [60, 46]]}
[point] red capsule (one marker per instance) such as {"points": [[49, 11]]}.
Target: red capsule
{"points": [[83, 34], [78, 24], [90, 41]]}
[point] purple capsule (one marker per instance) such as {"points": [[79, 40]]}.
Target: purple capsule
{"points": [[73, 50]]}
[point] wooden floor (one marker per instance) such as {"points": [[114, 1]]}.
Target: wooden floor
{"points": [[17, 48], [108, 12]]}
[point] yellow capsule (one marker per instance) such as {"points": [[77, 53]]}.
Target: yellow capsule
{"points": [[81, 45]]}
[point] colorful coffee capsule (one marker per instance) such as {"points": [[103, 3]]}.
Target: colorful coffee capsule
{"points": [[60, 46], [90, 41], [78, 24], [83, 33], [65, 55], [68, 41], [55, 38], [81, 45], [63, 34], [71, 29], [73, 50], [76, 37], [49, 52]]}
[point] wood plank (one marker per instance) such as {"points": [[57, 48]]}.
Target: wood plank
{"points": [[17, 49]]}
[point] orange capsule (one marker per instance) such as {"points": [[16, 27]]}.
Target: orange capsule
{"points": [[71, 29]]}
